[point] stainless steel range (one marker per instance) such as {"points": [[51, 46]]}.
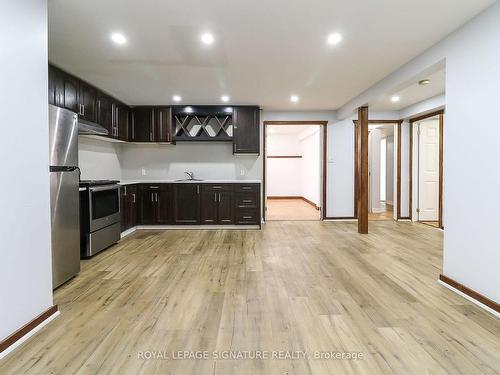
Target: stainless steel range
{"points": [[100, 215]]}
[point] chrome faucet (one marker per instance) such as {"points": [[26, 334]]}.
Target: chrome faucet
{"points": [[190, 174]]}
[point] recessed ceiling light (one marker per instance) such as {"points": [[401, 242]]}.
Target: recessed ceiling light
{"points": [[224, 98], [424, 82], [207, 38], [118, 38], [334, 39], [395, 99], [294, 98], [177, 98]]}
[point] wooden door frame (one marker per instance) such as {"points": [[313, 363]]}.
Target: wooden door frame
{"points": [[440, 115], [398, 126], [324, 126]]}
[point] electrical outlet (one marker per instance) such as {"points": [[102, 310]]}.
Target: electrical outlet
{"points": [[242, 172], [143, 171]]}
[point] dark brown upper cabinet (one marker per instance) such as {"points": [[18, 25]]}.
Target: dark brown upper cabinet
{"points": [[87, 96], [142, 127], [163, 119], [56, 86], [151, 124], [114, 116], [186, 200], [122, 120], [105, 108], [70, 94], [246, 138]]}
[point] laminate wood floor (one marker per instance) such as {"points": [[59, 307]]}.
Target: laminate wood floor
{"points": [[294, 286], [290, 209]]}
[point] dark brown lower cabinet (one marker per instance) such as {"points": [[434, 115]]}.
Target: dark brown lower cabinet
{"points": [[164, 205], [209, 207], [217, 205], [128, 206], [186, 203], [190, 204], [226, 207], [156, 204]]}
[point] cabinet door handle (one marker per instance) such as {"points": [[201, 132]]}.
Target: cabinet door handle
{"points": [[215, 197], [160, 130], [156, 197], [246, 187], [219, 197], [247, 217], [247, 201], [197, 189], [133, 197], [133, 126], [152, 124], [154, 187], [152, 197], [83, 110]]}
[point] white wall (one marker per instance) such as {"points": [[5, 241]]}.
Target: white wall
{"points": [[405, 169], [98, 159], [472, 235], [283, 176], [390, 177], [310, 146], [25, 266], [374, 152], [340, 172], [207, 161]]}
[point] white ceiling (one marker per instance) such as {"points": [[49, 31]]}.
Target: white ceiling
{"points": [[413, 93], [263, 53]]}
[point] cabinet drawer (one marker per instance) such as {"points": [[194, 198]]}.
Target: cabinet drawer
{"points": [[247, 200], [246, 187], [154, 187], [217, 187], [247, 216]]}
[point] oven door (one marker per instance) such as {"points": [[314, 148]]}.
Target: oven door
{"points": [[104, 206]]}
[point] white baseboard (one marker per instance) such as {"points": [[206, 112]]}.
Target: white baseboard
{"points": [[127, 232], [187, 227], [474, 301], [29, 334]]}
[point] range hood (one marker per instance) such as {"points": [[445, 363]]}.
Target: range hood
{"points": [[90, 128]]}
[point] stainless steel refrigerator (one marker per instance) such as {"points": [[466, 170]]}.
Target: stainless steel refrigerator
{"points": [[64, 196]]}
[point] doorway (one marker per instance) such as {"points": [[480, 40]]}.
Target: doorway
{"points": [[427, 144], [382, 169], [294, 170]]}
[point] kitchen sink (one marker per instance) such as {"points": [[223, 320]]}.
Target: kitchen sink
{"points": [[189, 179]]}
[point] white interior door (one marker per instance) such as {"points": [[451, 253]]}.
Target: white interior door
{"points": [[428, 167]]}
